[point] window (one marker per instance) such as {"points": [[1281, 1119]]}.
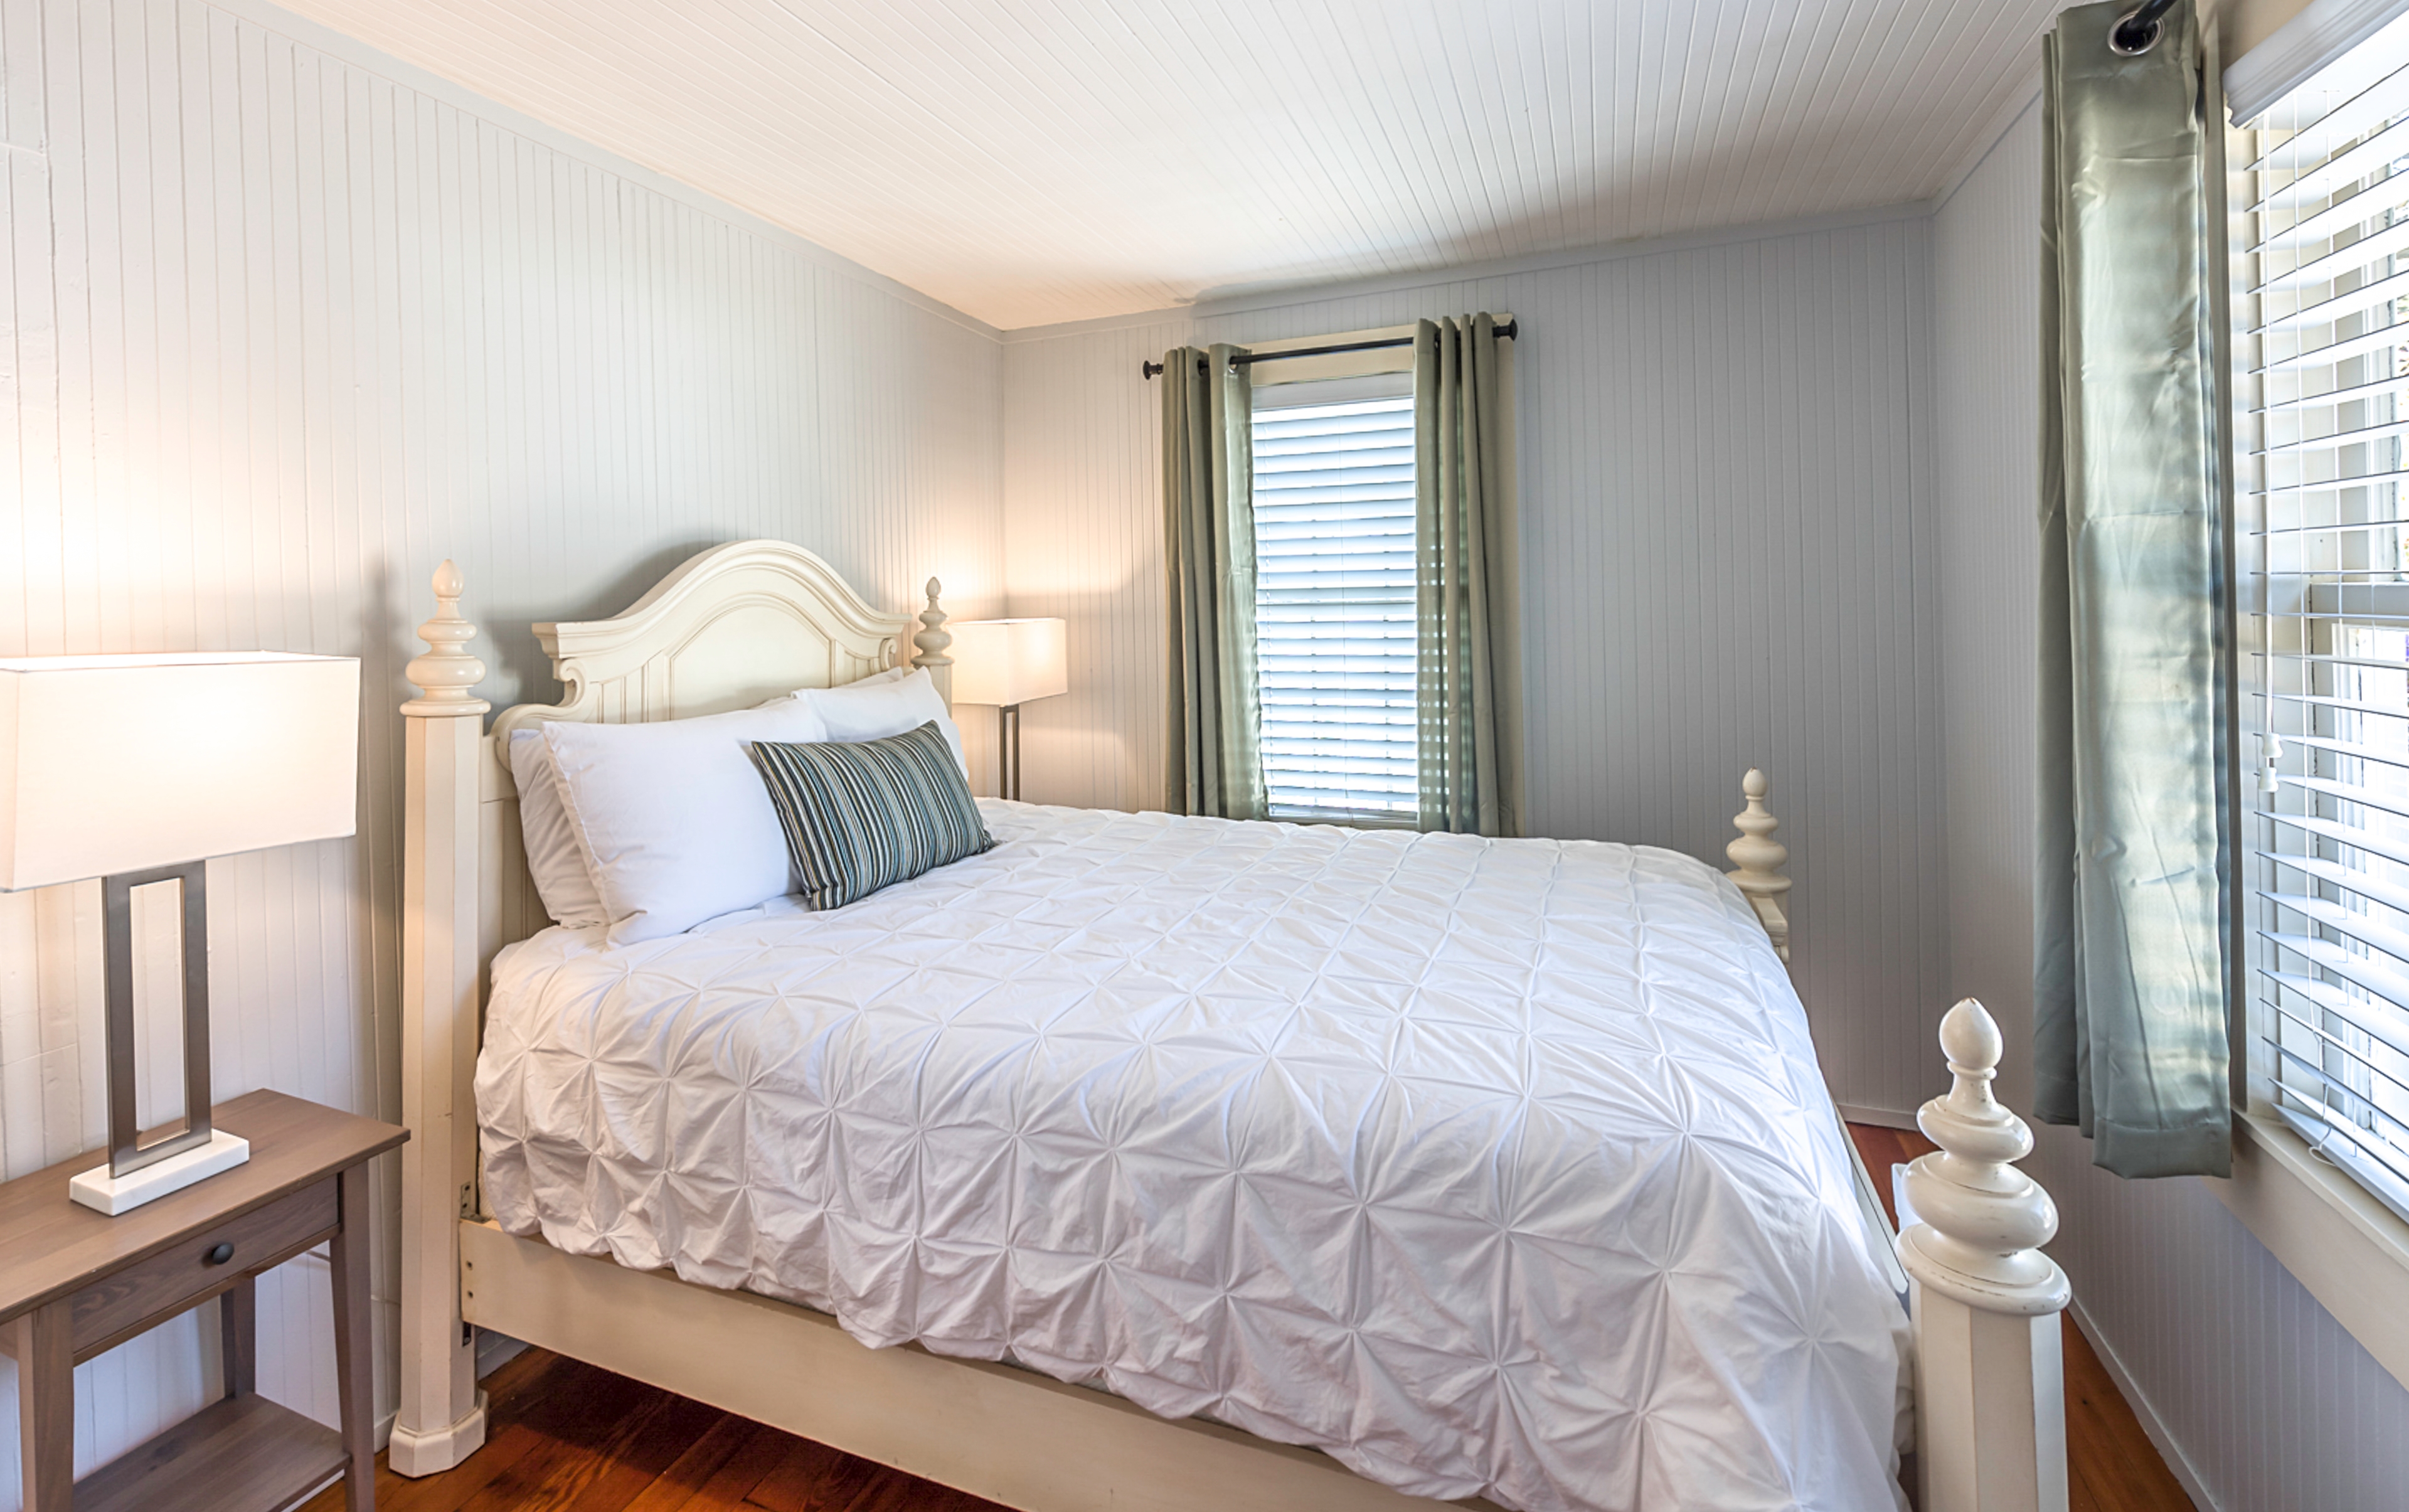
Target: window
{"points": [[2323, 360], [1335, 631]]}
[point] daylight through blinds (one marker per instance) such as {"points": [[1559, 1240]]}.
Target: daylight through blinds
{"points": [[1334, 608], [2325, 363]]}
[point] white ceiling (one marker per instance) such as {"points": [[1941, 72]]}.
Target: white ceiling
{"points": [[1033, 161]]}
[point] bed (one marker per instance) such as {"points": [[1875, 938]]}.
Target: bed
{"points": [[1180, 1163]]}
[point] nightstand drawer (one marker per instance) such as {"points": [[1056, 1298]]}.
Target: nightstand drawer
{"points": [[141, 1293]]}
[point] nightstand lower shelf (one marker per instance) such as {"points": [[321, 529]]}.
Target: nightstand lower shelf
{"points": [[242, 1454], [74, 1284]]}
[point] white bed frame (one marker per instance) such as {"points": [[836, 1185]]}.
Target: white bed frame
{"points": [[742, 622]]}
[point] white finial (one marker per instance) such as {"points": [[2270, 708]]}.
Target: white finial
{"points": [[933, 638], [1758, 860], [446, 673], [1980, 1220]]}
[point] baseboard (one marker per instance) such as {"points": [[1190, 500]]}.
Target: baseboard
{"points": [[2154, 1430], [1879, 1117]]}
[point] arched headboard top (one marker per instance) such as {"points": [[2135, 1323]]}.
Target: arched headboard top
{"points": [[731, 626]]}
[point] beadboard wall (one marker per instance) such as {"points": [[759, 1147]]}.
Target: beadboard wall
{"points": [[1725, 459], [2263, 1398], [283, 325]]}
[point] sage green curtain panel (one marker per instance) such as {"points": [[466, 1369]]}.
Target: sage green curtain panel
{"points": [[1208, 522], [1468, 664], [2130, 965]]}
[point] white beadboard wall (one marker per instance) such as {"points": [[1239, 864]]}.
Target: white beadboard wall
{"points": [[1725, 459], [283, 324], [2265, 1400]]}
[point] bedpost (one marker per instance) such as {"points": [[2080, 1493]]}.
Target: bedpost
{"points": [[441, 1418], [1758, 860], [933, 639], [1990, 1395]]}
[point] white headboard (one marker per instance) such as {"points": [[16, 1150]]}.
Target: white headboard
{"points": [[733, 625], [728, 629]]}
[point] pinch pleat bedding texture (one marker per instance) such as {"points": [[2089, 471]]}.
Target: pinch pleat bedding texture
{"points": [[2130, 979], [1494, 1168], [1468, 599], [1214, 753], [867, 815]]}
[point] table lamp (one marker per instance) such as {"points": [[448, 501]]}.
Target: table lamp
{"points": [[136, 769], [1007, 663]]}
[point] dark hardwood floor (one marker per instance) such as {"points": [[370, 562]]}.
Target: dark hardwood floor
{"points": [[567, 1437]]}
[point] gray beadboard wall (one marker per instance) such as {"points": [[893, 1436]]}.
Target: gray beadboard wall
{"points": [[1724, 450], [2265, 1402], [283, 325]]}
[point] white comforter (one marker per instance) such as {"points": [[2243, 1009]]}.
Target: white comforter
{"points": [[1494, 1169]]}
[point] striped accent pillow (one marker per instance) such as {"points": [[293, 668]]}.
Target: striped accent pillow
{"points": [[861, 815]]}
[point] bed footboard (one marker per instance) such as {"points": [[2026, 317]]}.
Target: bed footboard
{"points": [[1990, 1398]]}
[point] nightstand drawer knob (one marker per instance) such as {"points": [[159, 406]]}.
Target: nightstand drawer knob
{"points": [[219, 1254]]}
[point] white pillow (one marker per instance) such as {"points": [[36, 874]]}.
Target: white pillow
{"points": [[561, 877], [893, 674], [673, 818], [878, 707]]}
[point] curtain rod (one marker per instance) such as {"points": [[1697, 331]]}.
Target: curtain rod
{"points": [[2137, 30], [1247, 359]]}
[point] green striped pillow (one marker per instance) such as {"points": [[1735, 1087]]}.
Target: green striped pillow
{"points": [[862, 815]]}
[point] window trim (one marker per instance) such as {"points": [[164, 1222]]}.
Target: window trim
{"points": [[1392, 379], [2335, 1237], [1334, 364]]}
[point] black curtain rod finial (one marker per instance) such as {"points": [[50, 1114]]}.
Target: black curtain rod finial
{"points": [[1149, 368]]}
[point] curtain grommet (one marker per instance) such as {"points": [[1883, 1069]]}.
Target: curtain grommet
{"points": [[2133, 47]]}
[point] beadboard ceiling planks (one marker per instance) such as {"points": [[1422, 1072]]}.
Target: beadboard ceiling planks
{"points": [[1038, 160]]}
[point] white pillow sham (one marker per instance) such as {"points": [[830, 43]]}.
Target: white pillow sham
{"points": [[562, 878], [672, 818], [878, 707]]}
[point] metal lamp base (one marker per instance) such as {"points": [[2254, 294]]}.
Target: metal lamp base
{"points": [[101, 1191], [1007, 752], [138, 1172]]}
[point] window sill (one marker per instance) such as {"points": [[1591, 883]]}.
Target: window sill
{"points": [[2351, 1251]]}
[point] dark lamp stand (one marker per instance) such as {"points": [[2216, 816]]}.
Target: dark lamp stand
{"points": [[1007, 752]]}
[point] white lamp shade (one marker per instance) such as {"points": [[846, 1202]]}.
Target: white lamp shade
{"points": [[112, 764], [1007, 662]]}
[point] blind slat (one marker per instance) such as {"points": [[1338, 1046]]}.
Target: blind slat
{"points": [[1334, 596], [2349, 879], [2330, 314]]}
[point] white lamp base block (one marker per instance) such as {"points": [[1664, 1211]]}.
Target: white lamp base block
{"points": [[97, 1190]]}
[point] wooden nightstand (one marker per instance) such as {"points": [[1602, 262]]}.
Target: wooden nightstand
{"points": [[73, 1283]]}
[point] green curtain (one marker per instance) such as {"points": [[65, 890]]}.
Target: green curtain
{"points": [[2129, 964], [1215, 762], [1467, 602]]}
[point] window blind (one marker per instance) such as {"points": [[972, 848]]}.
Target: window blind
{"points": [[2324, 364], [1333, 502]]}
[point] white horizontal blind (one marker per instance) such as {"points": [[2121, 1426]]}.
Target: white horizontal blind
{"points": [[2325, 362], [1335, 607]]}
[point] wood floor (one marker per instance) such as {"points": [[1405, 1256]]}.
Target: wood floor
{"points": [[567, 1437]]}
